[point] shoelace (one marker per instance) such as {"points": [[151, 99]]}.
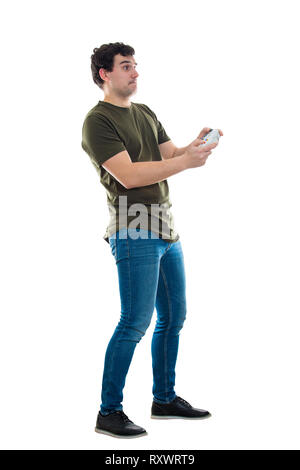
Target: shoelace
{"points": [[124, 416], [184, 402]]}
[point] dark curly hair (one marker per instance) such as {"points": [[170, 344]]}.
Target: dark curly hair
{"points": [[103, 57]]}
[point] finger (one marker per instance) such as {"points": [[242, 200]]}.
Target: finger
{"points": [[199, 141], [209, 147], [204, 131]]}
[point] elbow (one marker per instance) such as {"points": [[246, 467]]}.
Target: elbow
{"points": [[130, 185], [127, 184], [129, 177]]}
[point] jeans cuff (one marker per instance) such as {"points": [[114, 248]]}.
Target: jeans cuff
{"points": [[163, 402]]}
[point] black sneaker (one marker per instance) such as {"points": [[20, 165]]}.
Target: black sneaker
{"points": [[117, 424], [178, 408]]}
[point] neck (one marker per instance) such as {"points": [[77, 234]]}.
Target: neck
{"points": [[123, 102]]}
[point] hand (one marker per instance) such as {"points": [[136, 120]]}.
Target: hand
{"points": [[196, 155], [205, 130]]}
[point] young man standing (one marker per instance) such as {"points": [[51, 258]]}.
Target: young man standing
{"points": [[133, 156]]}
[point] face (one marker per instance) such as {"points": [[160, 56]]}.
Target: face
{"points": [[122, 80]]}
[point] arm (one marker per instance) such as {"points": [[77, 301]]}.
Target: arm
{"points": [[179, 151], [146, 173], [133, 175], [169, 150]]}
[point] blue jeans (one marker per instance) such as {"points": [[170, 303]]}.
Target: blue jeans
{"points": [[151, 274]]}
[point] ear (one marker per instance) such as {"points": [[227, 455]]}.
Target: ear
{"points": [[103, 73]]}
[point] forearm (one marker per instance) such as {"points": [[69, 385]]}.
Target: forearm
{"points": [[179, 151], [146, 173]]}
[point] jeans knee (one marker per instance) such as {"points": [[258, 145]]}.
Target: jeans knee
{"points": [[181, 319], [178, 327], [132, 333], [174, 324], [181, 316]]}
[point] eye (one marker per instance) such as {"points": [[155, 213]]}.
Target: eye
{"points": [[128, 66]]}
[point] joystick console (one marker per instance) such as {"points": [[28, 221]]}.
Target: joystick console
{"points": [[211, 137]]}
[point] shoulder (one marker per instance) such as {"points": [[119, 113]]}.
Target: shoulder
{"points": [[96, 116], [143, 107], [146, 110], [96, 111]]}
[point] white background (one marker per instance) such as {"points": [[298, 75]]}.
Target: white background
{"points": [[231, 65]]}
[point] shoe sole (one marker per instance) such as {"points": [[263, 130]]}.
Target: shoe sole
{"points": [[180, 417], [120, 436]]}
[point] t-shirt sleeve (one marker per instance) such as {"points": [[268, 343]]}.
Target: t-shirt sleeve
{"points": [[162, 135], [100, 140]]}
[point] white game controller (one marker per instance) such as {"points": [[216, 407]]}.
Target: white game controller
{"points": [[211, 137]]}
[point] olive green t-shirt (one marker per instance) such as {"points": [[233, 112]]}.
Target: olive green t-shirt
{"points": [[109, 129]]}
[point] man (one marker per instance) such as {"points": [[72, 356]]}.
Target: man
{"points": [[133, 156]]}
